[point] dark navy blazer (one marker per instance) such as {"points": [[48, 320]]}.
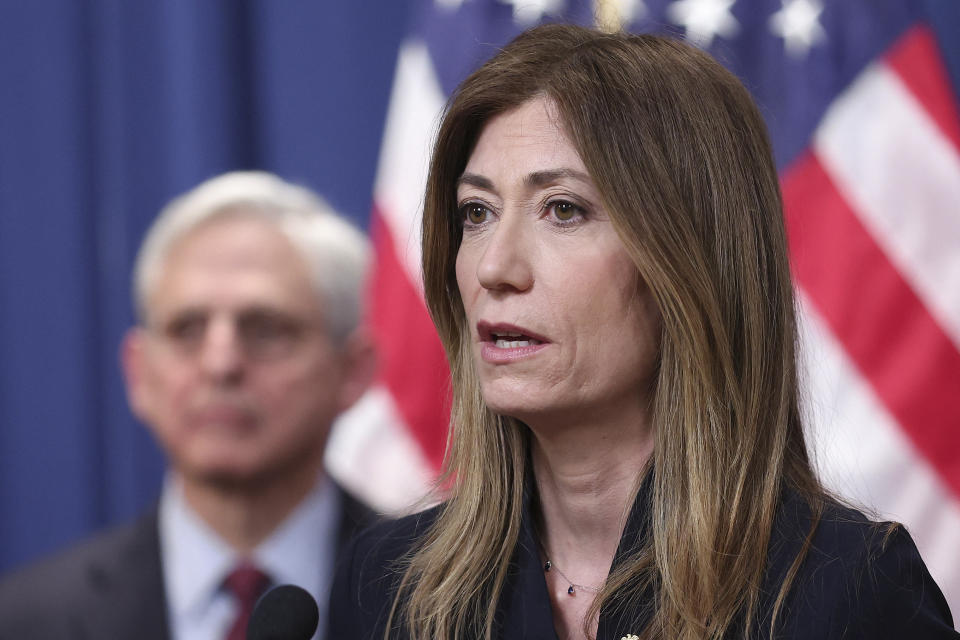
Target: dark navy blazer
{"points": [[856, 582], [110, 586]]}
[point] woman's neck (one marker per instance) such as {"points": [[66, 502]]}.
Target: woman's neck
{"points": [[585, 475], [585, 480]]}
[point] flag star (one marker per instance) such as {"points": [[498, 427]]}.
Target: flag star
{"points": [[798, 23], [530, 11], [629, 10], [612, 15], [704, 19]]}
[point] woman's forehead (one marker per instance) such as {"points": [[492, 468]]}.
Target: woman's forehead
{"points": [[530, 137]]}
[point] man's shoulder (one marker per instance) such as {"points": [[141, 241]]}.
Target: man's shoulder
{"points": [[53, 596], [78, 564]]}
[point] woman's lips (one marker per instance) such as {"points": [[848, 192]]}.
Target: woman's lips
{"points": [[501, 343]]}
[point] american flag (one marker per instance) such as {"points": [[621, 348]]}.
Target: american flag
{"points": [[866, 134]]}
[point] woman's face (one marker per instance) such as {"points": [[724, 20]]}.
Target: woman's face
{"points": [[562, 326]]}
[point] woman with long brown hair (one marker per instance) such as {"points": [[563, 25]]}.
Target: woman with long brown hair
{"points": [[605, 262]]}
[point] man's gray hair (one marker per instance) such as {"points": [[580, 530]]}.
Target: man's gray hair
{"points": [[337, 255]]}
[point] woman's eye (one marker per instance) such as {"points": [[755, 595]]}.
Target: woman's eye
{"points": [[474, 213], [565, 211]]}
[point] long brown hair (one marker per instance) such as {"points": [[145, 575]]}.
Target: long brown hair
{"points": [[680, 154]]}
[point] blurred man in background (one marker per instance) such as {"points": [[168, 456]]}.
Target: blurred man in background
{"points": [[249, 344]]}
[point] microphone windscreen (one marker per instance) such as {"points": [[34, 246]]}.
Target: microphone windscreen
{"points": [[286, 612]]}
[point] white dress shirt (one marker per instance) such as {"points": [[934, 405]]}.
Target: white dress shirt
{"points": [[196, 560]]}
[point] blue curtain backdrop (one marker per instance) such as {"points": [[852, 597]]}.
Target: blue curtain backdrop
{"points": [[107, 109]]}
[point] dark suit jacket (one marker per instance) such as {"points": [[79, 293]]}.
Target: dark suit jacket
{"points": [[855, 582], [110, 586]]}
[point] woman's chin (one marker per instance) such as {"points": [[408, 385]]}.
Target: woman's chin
{"points": [[522, 408]]}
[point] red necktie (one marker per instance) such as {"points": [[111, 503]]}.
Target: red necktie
{"points": [[246, 583]]}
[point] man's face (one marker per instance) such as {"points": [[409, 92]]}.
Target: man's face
{"points": [[234, 372]]}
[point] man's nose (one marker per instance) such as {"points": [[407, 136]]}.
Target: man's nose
{"points": [[222, 355], [505, 263]]}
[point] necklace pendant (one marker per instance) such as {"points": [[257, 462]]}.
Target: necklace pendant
{"points": [[571, 591]]}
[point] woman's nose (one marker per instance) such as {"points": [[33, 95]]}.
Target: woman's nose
{"points": [[506, 262]]}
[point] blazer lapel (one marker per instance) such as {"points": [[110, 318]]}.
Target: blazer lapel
{"points": [[354, 516], [524, 609], [126, 596], [630, 620]]}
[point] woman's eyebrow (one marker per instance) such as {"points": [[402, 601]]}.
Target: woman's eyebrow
{"points": [[535, 179], [475, 180], [541, 178]]}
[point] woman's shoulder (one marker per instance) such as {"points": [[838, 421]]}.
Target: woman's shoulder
{"points": [[368, 574], [860, 578], [390, 539], [842, 533]]}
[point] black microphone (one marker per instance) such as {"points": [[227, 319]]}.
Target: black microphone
{"points": [[286, 612]]}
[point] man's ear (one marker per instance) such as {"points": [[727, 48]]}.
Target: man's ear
{"points": [[133, 361], [359, 357]]}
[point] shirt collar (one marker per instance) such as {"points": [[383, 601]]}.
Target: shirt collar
{"points": [[301, 549], [196, 560]]}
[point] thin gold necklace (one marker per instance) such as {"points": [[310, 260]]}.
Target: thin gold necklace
{"points": [[572, 589]]}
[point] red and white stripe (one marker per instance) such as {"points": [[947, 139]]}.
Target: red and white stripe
{"points": [[873, 217], [389, 447]]}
